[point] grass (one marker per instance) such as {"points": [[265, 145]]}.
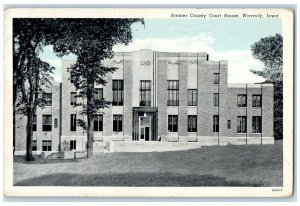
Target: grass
{"points": [[252, 165]]}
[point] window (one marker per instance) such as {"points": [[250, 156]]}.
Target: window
{"points": [[117, 123], [72, 145], [192, 123], [173, 93], [117, 88], [256, 124], [216, 78], [47, 145], [98, 123], [34, 145], [98, 94], [55, 123], [216, 99], [228, 124], [256, 100], [242, 100], [73, 98], [241, 124], [73, 122], [145, 93], [172, 123], [192, 97], [47, 123], [34, 123], [48, 99], [216, 123]]}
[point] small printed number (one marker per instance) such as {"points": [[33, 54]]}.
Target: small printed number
{"points": [[276, 190]]}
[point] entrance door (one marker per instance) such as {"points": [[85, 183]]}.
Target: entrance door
{"points": [[145, 131]]}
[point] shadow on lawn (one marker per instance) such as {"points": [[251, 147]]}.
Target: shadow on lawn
{"points": [[132, 179]]}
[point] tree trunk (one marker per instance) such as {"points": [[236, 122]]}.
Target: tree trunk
{"points": [[90, 125], [90, 137], [29, 132]]}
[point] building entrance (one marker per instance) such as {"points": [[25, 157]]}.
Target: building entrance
{"points": [[144, 124]]}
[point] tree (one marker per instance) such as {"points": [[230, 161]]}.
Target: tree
{"points": [[91, 40], [269, 51], [31, 75]]}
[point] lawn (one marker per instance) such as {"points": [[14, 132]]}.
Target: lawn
{"points": [[252, 165]]}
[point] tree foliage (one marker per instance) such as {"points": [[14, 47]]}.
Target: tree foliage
{"points": [[91, 40], [31, 75], [269, 50]]}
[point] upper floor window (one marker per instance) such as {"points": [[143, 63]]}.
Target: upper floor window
{"points": [[242, 100], [216, 123], [55, 122], [98, 94], [73, 98], [216, 78], [216, 99], [145, 93], [241, 124], [192, 123], [73, 122], [117, 123], [192, 97], [47, 123], [117, 89], [173, 93], [256, 100], [172, 123], [48, 99], [98, 123], [256, 124]]}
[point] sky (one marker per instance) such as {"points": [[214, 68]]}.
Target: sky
{"points": [[222, 39]]}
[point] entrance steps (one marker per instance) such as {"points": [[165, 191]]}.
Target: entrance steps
{"points": [[151, 146]]}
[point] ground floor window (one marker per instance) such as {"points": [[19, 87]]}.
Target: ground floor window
{"points": [[216, 123], [73, 145], [228, 124], [34, 145], [256, 124], [98, 123], [47, 145], [192, 123], [173, 123], [117, 123], [241, 124]]}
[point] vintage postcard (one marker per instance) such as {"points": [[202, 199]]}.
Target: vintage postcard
{"points": [[148, 102]]}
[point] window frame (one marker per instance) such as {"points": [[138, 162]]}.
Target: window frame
{"points": [[118, 92], [48, 145], [241, 123], [256, 103], [145, 91], [73, 122], [173, 91], [73, 99], [228, 124], [173, 124], [34, 123], [46, 127], [72, 144], [34, 145], [192, 120], [216, 78], [216, 123], [243, 104], [193, 95], [256, 129], [216, 99], [47, 99], [98, 120], [117, 123]]}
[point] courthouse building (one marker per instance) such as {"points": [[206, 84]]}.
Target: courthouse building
{"points": [[158, 96]]}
